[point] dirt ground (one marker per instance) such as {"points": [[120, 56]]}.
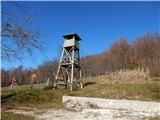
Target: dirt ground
{"points": [[83, 108], [83, 114]]}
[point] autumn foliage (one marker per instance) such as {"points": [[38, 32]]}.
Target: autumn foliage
{"points": [[143, 53]]}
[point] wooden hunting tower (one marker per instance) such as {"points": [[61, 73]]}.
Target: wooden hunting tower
{"points": [[69, 69]]}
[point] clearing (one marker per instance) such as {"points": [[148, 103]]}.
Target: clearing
{"points": [[39, 103]]}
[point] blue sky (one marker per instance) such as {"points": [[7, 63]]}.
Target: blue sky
{"points": [[99, 24]]}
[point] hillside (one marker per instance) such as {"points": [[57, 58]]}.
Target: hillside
{"points": [[38, 97], [22, 96]]}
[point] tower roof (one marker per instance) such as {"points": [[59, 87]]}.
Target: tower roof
{"points": [[68, 36]]}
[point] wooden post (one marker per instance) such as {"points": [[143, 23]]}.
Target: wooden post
{"points": [[102, 77], [11, 87], [33, 77], [31, 84]]}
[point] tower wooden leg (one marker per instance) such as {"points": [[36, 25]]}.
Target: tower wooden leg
{"points": [[81, 85]]}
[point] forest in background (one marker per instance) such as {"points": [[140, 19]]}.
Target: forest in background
{"points": [[144, 52]]}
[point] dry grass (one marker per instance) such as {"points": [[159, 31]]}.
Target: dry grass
{"points": [[123, 76], [139, 75]]}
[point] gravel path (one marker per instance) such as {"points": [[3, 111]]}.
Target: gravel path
{"points": [[93, 110], [85, 114]]}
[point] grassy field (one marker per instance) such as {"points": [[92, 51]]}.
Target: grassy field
{"points": [[13, 116], [148, 92], [93, 87], [38, 97]]}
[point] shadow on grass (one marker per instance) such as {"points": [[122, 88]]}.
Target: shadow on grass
{"points": [[5, 97], [89, 83], [157, 79]]}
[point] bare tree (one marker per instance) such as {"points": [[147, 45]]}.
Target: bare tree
{"points": [[18, 38]]}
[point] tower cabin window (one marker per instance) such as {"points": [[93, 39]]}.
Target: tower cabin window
{"points": [[70, 37]]}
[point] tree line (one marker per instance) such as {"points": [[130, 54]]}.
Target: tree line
{"points": [[143, 52]]}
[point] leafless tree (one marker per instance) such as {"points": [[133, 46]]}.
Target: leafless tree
{"points": [[17, 37]]}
